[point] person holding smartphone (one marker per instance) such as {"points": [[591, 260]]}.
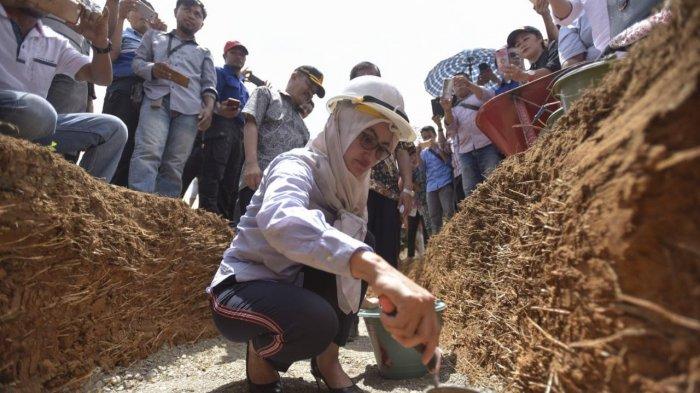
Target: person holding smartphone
{"points": [[218, 152]]}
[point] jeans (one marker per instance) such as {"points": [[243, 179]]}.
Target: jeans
{"points": [[67, 95], [101, 137], [33, 115], [118, 102], [441, 203], [476, 166], [162, 144]]}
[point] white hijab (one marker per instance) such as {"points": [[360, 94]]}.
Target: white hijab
{"points": [[344, 192]]}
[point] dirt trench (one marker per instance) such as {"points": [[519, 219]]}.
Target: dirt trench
{"points": [[576, 266]]}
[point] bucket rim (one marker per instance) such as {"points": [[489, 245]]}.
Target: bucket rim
{"points": [[374, 313]]}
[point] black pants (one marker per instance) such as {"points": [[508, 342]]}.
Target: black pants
{"points": [[286, 323], [384, 221], [215, 154], [118, 102], [413, 223], [228, 186], [459, 190], [244, 197]]}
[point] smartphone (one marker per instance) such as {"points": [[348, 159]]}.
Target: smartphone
{"points": [[233, 103], [448, 88], [147, 12], [437, 108]]}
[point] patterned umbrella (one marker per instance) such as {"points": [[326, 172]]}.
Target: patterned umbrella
{"points": [[465, 61]]}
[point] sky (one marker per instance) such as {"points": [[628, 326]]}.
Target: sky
{"points": [[404, 38]]}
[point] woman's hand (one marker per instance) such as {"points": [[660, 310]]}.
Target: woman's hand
{"points": [[415, 321]]}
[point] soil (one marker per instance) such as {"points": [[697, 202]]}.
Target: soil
{"points": [[216, 365], [92, 274], [576, 266]]}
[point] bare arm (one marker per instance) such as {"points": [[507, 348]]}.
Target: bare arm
{"points": [[561, 8], [552, 31], [93, 27], [252, 175]]}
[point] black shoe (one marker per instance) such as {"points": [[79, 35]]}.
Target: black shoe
{"points": [[318, 376], [354, 330], [274, 387]]}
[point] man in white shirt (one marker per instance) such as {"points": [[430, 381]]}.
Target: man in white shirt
{"points": [[30, 57], [478, 156]]}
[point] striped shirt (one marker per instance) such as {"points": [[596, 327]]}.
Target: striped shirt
{"points": [[131, 40]]}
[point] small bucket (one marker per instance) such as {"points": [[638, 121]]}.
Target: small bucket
{"points": [[571, 85], [394, 360], [554, 117]]}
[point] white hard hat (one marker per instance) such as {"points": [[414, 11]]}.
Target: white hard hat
{"points": [[383, 98]]}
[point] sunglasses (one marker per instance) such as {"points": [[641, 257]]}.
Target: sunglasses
{"points": [[369, 142]]}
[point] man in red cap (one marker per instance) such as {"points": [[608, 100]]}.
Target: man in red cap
{"points": [[217, 158]]}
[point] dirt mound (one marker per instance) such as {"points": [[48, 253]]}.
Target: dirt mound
{"points": [[91, 274], [576, 267]]}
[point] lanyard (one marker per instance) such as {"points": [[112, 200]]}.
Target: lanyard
{"points": [[172, 50]]}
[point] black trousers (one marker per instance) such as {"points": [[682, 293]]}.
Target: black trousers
{"points": [[244, 197], [384, 221], [286, 323], [459, 190], [215, 153], [412, 231], [118, 102]]}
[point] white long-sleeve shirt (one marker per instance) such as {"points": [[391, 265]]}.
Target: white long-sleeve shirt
{"points": [[597, 13], [287, 226]]}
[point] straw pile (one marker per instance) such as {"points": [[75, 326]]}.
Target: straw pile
{"points": [[576, 267], [93, 275]]}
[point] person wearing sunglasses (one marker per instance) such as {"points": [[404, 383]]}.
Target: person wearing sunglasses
{"points": [[292, 280]]}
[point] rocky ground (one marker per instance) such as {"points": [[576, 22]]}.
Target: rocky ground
{"points": [[216, 365]]}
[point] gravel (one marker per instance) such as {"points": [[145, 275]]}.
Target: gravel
{"points": [[218, 366]]}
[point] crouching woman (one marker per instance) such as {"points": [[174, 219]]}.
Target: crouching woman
{"points": [[309, 215]]}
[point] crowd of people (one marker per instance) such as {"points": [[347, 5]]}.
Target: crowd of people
{"points": [[317, 218]]}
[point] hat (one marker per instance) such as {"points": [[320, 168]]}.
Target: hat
{"points": [[381, 97], [525, 29], [315, 76], [233, 44]]}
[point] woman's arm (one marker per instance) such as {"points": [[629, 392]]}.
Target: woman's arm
{"points": [[296, 231], [415, 321]]}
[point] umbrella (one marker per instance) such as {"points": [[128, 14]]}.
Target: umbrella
{"points": [[465, 61]]}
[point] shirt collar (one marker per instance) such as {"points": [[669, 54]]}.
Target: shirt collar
{"points": [[230, 70], [131, 30], [172, 34], [39, 26]]}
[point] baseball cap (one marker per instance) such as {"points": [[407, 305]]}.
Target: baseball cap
{"points": [[315, 76], [525, 29], [233, 44]]}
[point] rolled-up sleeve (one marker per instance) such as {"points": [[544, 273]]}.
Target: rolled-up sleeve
{"points": [[143, 60], [208, 75], [297, 232], [257, 104], [576, 11]]}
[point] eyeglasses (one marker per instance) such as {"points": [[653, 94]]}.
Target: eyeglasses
{"points": [[369, 142]]}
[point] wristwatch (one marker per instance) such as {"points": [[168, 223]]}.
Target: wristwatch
{"points": [[409, 192], [102, 51]]}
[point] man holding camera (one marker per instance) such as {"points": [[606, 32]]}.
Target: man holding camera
{"points": [[478, 156], [30, 57]]}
